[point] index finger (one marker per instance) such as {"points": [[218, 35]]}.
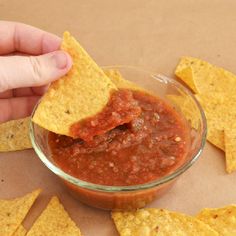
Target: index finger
{"points": [[18, 37]]}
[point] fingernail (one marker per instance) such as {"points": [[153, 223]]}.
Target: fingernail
{"points": [[61, 59]]}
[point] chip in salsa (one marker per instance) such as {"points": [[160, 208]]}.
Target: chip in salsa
{"points": [[70, 102], [150, 146]]}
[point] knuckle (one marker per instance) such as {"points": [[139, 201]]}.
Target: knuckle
{"points": [[36, 69]]}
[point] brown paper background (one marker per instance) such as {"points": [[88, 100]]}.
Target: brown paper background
{"points": [[149, 34]]}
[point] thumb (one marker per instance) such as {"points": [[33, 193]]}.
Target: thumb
{"points": [[32, 71]]}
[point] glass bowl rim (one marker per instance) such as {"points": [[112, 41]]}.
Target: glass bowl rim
{"points": [[107, 188]]}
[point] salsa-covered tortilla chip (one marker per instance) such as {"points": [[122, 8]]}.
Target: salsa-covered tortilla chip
{"points": [[54, 221], [80, 94], [13, 212], [145, 222], [21, 231], [203, 77], [222, 220], [14, 135]]}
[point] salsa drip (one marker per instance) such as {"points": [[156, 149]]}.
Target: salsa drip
{"points": [[150, 146], [121, 109]]}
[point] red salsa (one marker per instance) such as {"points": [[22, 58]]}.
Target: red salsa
{"points": [[121, 109], [151, 145]]}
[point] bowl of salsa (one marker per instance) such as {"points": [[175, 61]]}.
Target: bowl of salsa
{"points": [[132, 164]]}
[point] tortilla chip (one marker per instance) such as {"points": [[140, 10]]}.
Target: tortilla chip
{"points": [[215, 136], [230, 149], [13, 212], [222, 220], [80, 94], [213, 106], [184, 72], [186, 106], [14, 135], [21, 231], [120, 82], [54, 220], [203, 77], [145, 222], [220, 111], [215, 88]]}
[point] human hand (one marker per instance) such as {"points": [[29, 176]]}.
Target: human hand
{"points": [[24, 78]]}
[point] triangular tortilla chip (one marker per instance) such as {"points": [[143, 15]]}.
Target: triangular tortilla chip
{"points": [[215, 88], [159, 222], [184, 72], [204, 77], [54, 221], [220, 111], [14, 135], [21, 231], [120, 82], [80, 94], [13, 212], [222, 220]]}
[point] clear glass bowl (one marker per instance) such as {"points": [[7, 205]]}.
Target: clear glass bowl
{"points": [[135, 196]]}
